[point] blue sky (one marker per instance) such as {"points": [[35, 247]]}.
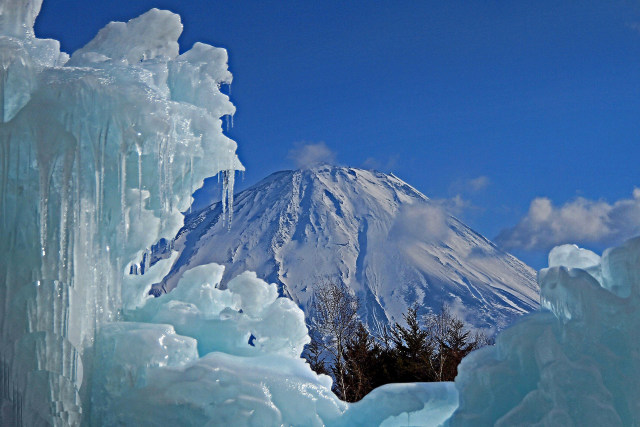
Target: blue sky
{"points": [[522, 117]]}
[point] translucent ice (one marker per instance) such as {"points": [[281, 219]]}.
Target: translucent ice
{"points": [[18, 16], [147, 37], [221, 389], [576, 364], [226, 320], [571, 256], [99, 154], [126, 353], [415, 404], [249, 372]]}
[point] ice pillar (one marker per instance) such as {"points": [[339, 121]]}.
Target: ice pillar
{"points": [[99, 154]]}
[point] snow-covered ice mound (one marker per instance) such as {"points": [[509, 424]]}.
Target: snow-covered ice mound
{"points": [[249, 373], [236, 362], [577, 364]]}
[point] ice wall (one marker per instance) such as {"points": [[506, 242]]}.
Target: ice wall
{"points": [[99, 153], [577, 364]]}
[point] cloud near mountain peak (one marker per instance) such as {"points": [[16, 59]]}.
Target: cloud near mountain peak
{"points": [[578, 221]]}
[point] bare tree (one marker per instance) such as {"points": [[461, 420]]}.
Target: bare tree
{"points": [[453, 341], [335, 319]]}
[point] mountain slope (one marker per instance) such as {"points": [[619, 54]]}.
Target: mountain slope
{"points": [[373, 232]]}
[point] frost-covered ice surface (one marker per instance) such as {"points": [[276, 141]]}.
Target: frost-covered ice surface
{"points": [[577, 364], [414, 404], [205, 356], [249, 371], [98, 155]]}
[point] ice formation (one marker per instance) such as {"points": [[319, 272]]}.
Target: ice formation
{"points": [[232, 357], [412, 404], [99, 153], [576, 364], [249, 371]]}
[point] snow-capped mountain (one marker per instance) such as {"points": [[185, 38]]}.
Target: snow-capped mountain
{"points": [[371, 231]]}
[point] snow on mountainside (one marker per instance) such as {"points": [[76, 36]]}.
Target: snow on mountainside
{"points": [[371, 231]]}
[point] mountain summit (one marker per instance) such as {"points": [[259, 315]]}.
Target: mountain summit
{"points": [[374, 233]]}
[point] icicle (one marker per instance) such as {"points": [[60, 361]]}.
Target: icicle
{"points": [[123, 193], [191, 191], [165, 187], [98, 190], [230, 184], [161, 176], [139, 151], [102, 154], [44, 208], [170, 183], [64, 209], [4, 180], [232, 114], [225, 185], [169, 150]]}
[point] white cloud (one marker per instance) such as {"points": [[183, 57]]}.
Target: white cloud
{"points": [[463, 189], [635, 26], [455, 205], [305, 154], [479, 183], [578, 221], [470, 185], [424, 223], [381, 165]]}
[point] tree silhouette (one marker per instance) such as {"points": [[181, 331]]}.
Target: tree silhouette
{"points": [[422, 348], [335, 321], [413, 348]]}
